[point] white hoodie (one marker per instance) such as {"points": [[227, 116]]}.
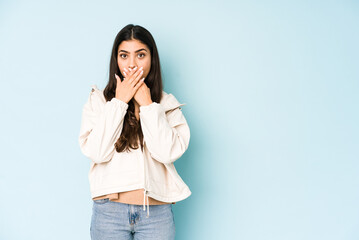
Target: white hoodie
{"points": [[166, 137]]}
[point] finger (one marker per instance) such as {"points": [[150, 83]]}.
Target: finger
{"points": [[139, 83], [129, 73], [137, 76], [124, 73], [117, 78], [136, 80]]}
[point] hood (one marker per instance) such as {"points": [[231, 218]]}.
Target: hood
{"points": [[168, 101]]}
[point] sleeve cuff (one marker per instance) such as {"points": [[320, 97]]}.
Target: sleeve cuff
{"points": [[119, 102], [148, 107]]}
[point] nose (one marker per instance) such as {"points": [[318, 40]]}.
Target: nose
{"points": [[132, 63]]}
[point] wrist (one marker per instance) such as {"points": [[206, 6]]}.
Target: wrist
{"points": [[122, 99], [147, 103]]}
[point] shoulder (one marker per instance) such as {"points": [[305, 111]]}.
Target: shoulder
{"points": [[169, 101], [96, 98], [97, 93]]}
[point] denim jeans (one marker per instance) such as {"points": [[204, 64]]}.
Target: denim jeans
{"points": [[115, 220]]}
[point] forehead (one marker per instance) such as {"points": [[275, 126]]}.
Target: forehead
{"points": [[131, 45]]}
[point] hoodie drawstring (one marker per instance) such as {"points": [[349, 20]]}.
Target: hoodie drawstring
{"points": [[144, 202]]}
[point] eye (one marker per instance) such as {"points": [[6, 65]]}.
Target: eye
{"points": [[123, 55], [141, 54]]}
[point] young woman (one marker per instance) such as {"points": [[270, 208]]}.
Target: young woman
{"points": [[133, 132]]}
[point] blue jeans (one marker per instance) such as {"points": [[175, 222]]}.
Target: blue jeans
{"points": [[115, 220]]}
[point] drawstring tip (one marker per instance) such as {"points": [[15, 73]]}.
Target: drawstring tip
{"points": [[144, 203], [144, 200]]}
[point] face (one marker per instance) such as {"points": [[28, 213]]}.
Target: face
{"points": [[132, 54]]}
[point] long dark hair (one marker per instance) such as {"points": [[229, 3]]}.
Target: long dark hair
{"points": [[131, 131]]}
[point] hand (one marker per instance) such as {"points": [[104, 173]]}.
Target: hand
{"points": [[143, 95], [128, 87]]}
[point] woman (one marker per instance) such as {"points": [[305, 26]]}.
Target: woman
{"points": [[133, 132]]}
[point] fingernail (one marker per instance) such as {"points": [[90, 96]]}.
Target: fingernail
{"points": [[124, 73], [135, 68], [116, 75], [141, 68]]}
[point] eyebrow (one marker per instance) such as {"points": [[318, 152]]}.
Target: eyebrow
{"points": [[135, 51]]}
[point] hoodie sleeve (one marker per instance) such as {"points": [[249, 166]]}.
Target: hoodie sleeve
{"points": [[101, 126], [166, 134]]}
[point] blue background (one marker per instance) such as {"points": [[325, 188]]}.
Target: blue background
{"points": [[272, 102]]}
